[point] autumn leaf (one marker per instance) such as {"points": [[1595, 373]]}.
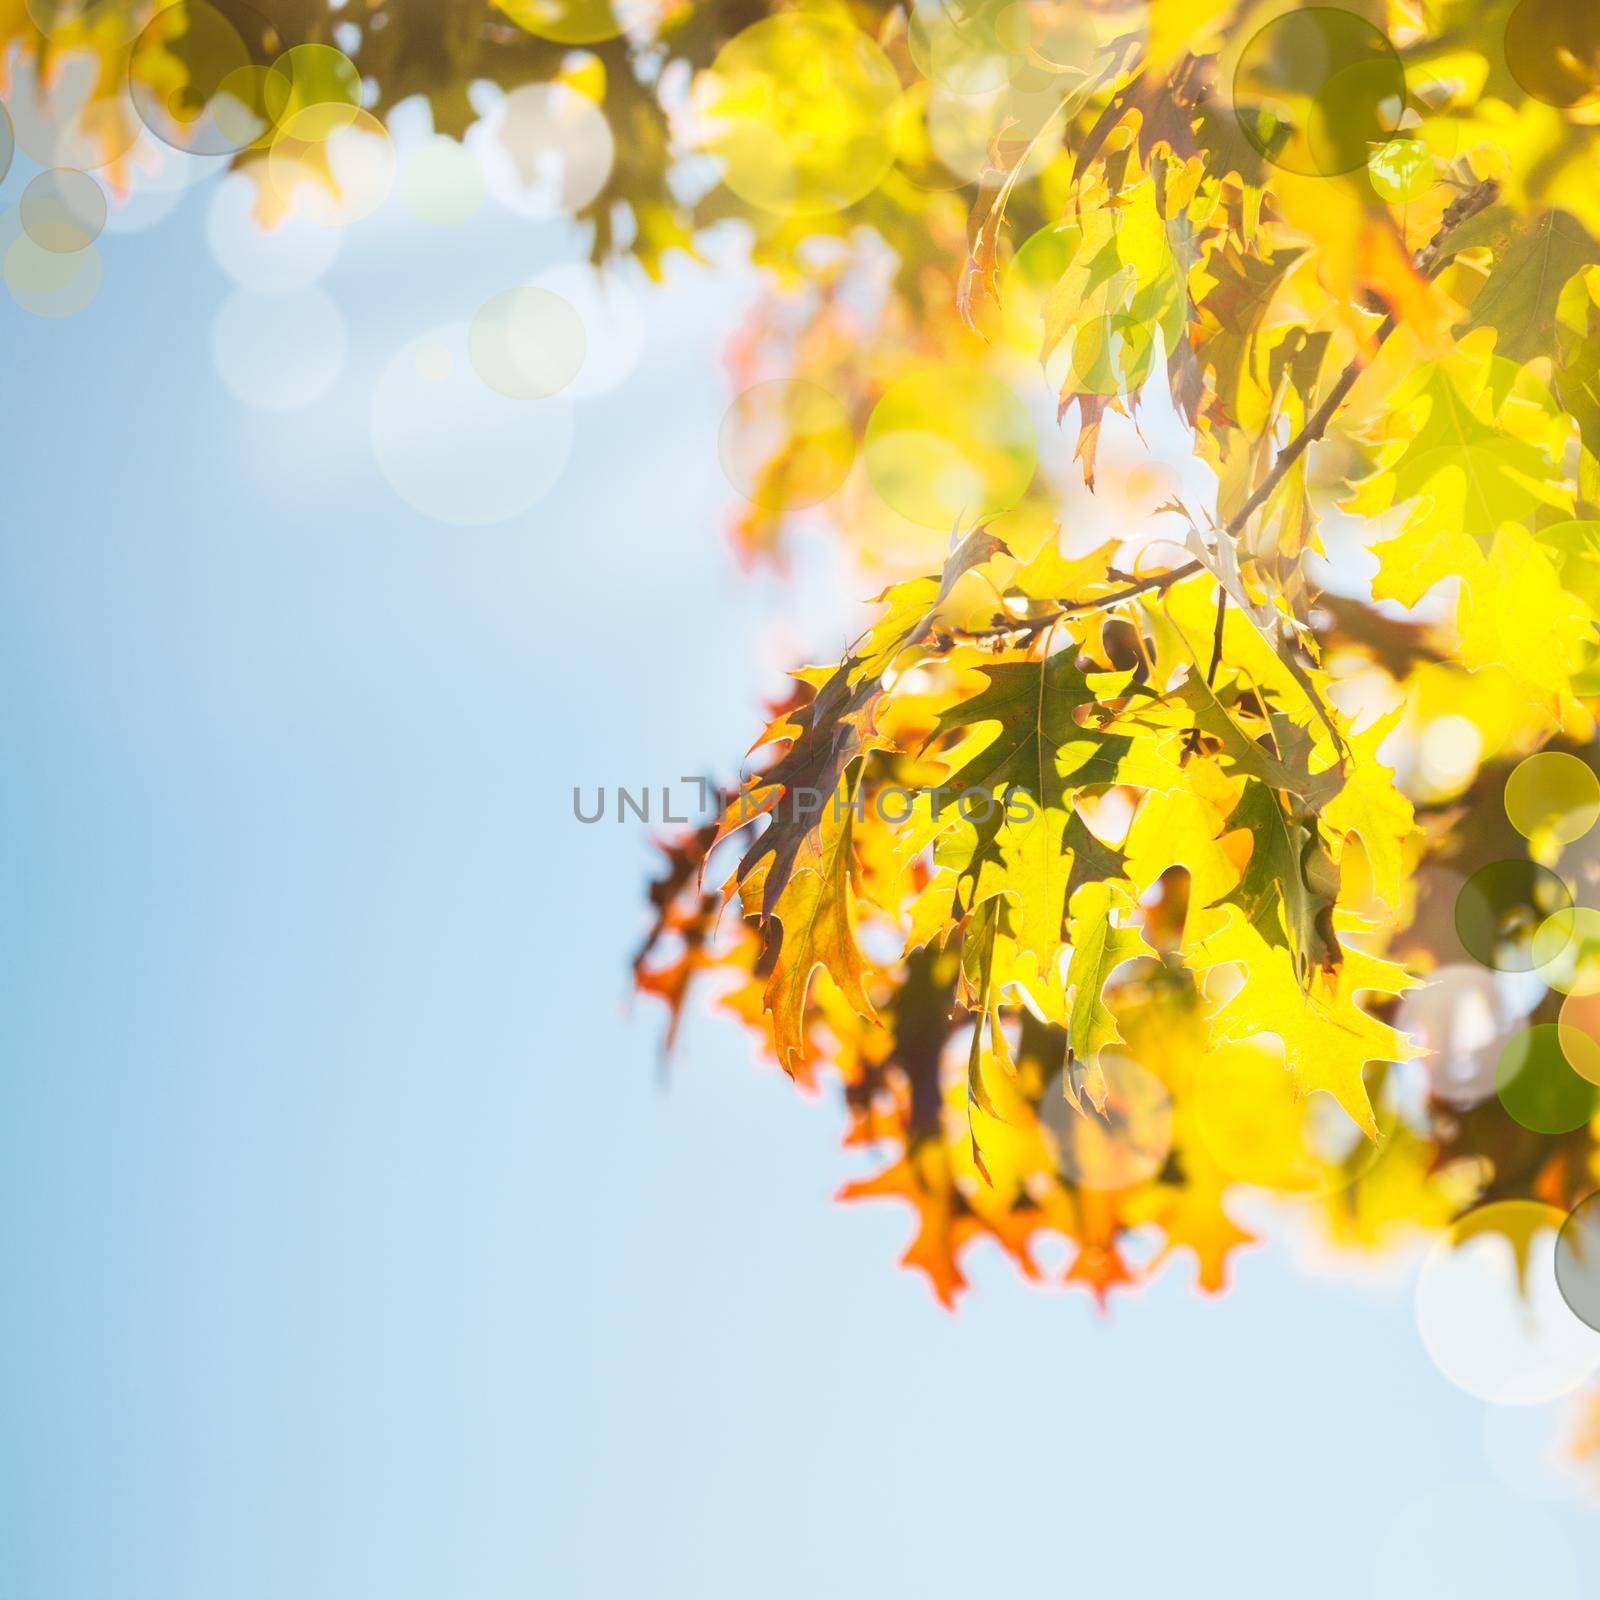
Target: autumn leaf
{"points": [[1103, 937], [1531, 260], [1289, 886], [827, 736], [813, 925], [1328, 1038], [1025, 755], [1466, 455], [1235, 756], [1176, 785]]}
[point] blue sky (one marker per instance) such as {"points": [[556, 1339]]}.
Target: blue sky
{"points": [[351, 1246]]}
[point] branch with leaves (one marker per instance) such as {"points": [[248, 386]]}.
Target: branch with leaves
{"points": [[1105, 860], [1212, 903]]}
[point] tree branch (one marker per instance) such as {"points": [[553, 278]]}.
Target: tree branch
{"points": [[1430, 262], [1030, 626]]}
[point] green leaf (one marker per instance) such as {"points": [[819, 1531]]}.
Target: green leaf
{"points": [[1032, 764], [1099, 946], [1472, 459], [1289, 885], [1532, 259]]}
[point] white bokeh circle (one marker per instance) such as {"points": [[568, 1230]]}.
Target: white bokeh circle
{"points": [[291, 255], [278, 352], [613, 323], [1503, 1341], [454, 449], [545, 150]]}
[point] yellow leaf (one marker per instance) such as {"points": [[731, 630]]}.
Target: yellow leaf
{"points": [[1328, 1039], [1099, 946]]}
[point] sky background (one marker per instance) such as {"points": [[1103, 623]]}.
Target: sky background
{"points": [[350, 1243]]}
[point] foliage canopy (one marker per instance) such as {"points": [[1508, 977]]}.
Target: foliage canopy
{"points": [[1102, 870]]}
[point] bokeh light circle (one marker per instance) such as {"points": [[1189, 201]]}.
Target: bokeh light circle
{"points": [[948, 445], [46, 283], [613, 322], [1503, 1335], [331, 164], [63, 116], [455, 450], [1402, 170], [572, 21], [159, 178], [1250, 1122], [1449, 753], [62, 210], [8, 142], [1111, 352], [1316, 89], [1566, 951], [316, 75], [786, 444], [799, 112], [195, 87], [1462, 1016], [1125, 1145], [1581, 1012], [546, 150], [963, 129], [1553, 796], [1501, 906], [1578, 1261], [1553, 49], [962, 49], [1538, 1084], [527, 343], [291, 254], [280, 352], [441, 182]]}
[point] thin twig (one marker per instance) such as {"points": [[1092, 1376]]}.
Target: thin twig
{"points": [[1216, 637], [1029, 626]]}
